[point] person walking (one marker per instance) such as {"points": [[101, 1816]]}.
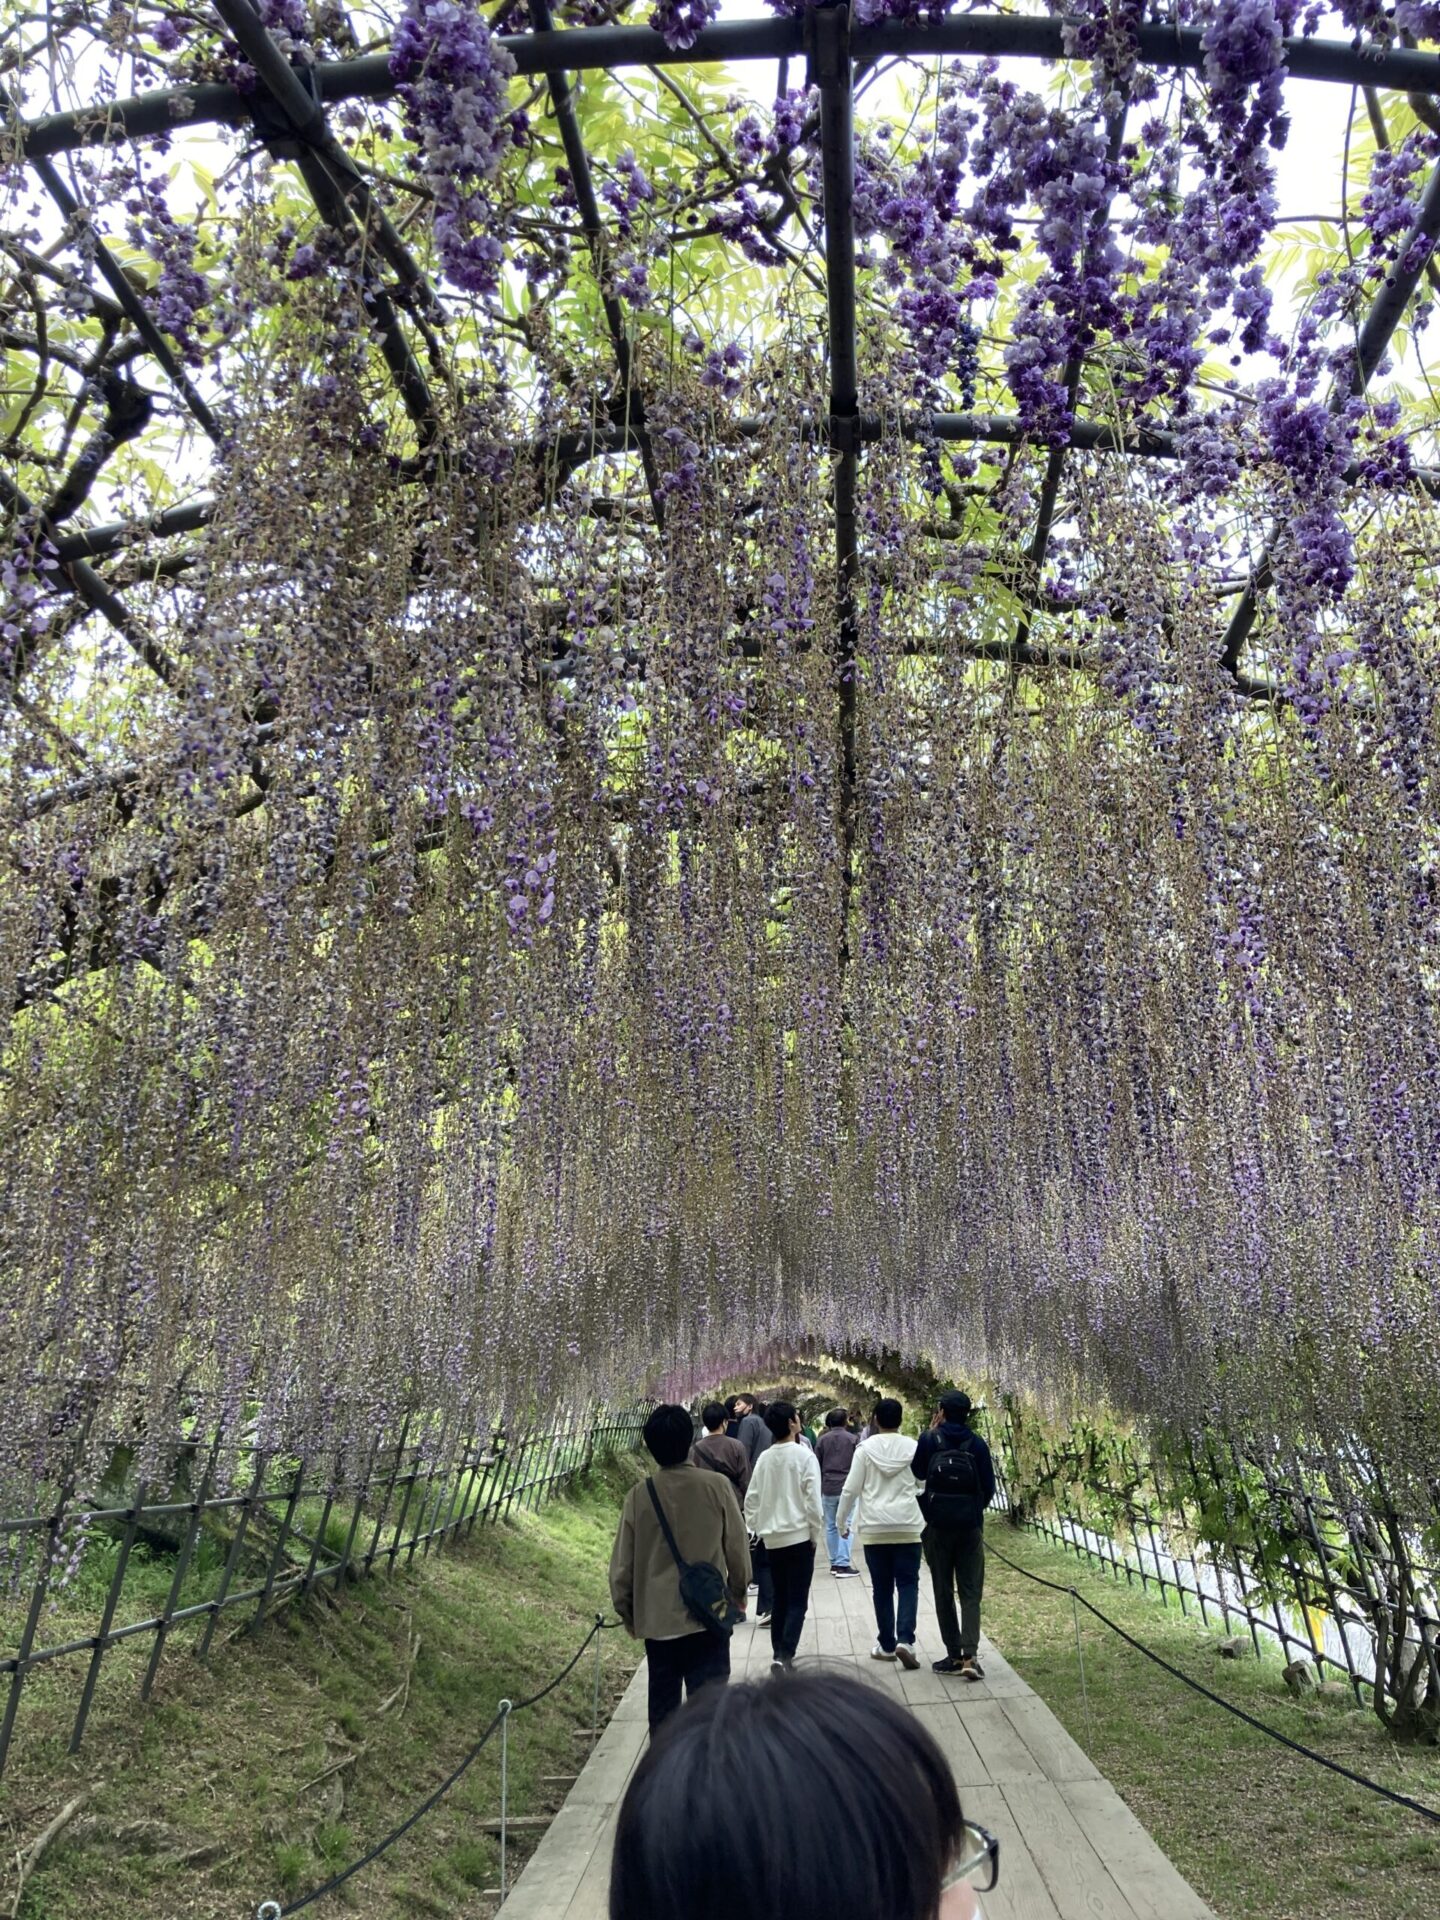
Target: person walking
{"points": [[957, 1476], [835, 1449], [783, 1508], [753, 1434], [719, 1454], [704, 1518], [878, 1502]]}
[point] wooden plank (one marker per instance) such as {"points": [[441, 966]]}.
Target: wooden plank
{"points": [[1060, 1757], [1005, 1754], [948, 1730], [1153, 1885], [557, 1864], [1080, 1883], [1021, 1893]]}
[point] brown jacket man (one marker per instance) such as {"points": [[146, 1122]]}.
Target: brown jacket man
{"points": [[704, 1516]]}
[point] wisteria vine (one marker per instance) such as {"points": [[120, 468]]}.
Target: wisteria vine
{"points": [[495, 913]]}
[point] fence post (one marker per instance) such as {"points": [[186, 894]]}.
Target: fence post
{"points": [[182, 1567], [232, 1559], [32, 1621], [436, 1467], [389, 1492], [274, 1567], [127, 1540], [343, 1565]]}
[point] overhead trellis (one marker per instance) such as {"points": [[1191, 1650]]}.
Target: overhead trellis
{"points": [[644, 716]]}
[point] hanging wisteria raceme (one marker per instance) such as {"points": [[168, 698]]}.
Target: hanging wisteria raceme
{"points": [[492, 911]]}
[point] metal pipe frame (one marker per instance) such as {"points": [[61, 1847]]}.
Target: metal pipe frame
{"points": [[1386, 312], [585, 49]]}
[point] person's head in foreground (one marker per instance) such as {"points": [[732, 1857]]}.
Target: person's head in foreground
{"points": [[668, 1434], [726, 1805], [782, 1420], [713, 1414], [888, 1415], [955, 1408]]}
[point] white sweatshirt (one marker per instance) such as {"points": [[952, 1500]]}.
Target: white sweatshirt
{"points": [[879, 1497], [783, 1503]]}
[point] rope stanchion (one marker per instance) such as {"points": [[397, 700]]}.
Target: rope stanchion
{"points": [[1078, 1599], [272, 1910]]}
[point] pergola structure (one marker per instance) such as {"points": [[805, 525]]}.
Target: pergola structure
{"points": [[1074, 996]]}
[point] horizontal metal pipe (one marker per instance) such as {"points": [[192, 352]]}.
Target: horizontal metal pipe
{"points": [[585, 49]]}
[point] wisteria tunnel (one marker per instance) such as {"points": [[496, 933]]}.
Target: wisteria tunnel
{"points": [[678, 687]]}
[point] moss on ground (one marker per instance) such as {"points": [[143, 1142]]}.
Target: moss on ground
{"points": [[259, 1777], [1260, 1832]]}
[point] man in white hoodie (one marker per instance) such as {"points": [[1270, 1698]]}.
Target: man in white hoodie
{"points": [[783, 1507], [879, 1501]]}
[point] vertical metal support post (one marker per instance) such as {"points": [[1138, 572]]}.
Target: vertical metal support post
{"points": [[595, 1701], [182, 1567], [1080, 1656], [835, 75], [107, 1618], [506, 1709]]}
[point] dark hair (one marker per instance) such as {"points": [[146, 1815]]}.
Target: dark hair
{"points": [[777, 1417], [888, 1414], [956, 1405], [701, 1819], [730, 1406], [713, 1414], [669, 1434], [836, 1417]]}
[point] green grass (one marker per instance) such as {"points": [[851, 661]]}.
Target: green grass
{"points": [[1260, 1832], [211, 1800]]}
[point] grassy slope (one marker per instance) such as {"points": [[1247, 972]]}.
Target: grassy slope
{"points": [[202, 1806], [1260, 1832]]}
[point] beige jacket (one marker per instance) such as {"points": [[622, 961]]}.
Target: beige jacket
{"points": [[704, 1516]]}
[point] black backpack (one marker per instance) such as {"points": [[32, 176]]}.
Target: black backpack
{"points": [[952, 1486], [702, 1587]]}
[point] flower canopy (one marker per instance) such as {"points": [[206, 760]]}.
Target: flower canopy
{"points": [[675, 682]]}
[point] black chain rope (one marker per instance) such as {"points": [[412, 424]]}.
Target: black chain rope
{"points": [[272, 1910], [1196, 1686]]}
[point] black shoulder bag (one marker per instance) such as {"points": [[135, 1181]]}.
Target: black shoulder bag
{"points": [[702, 1587]]}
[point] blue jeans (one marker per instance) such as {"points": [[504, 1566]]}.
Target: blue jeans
{"points": [[895, 1569], [839, 1549]]}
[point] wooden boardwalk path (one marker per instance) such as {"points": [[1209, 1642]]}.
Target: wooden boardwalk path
{"points": [[1070, 1849]]}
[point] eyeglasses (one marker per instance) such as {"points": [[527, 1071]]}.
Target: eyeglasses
{"points": [[979, 1853]]}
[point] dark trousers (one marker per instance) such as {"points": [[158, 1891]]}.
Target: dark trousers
{"points": [[792, 1569], [760, 1567], [956, 1557], [895, 1569], [693, 1661]]}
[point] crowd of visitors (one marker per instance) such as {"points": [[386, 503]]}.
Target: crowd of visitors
{"points": [[751, 1492], [750, 1495]]}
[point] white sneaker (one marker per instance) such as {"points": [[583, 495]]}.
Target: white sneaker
{"points": [[877, 1652], [754, 1587], [907, 1657]]}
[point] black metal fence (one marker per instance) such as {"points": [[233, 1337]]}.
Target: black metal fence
{"points": [[1344, 1587], [288, 1529]]}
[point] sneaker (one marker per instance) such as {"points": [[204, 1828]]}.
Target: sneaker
{"points": [[754, 1587], [971, 1669], [782, 1666], [843, 1573], [907, 1657], [762, 1619], [952, 1663], [877, 1652]]}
